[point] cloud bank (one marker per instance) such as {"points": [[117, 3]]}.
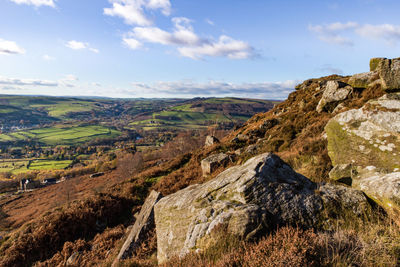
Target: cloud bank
{"points": [[264, 90]]}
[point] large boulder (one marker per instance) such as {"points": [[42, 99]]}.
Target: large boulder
{"points": [[211, 163], [389, 72], [363, 80], [364, 144], [247, 200], [367, 136], [143, 224], [334, 93], [211, 140]]}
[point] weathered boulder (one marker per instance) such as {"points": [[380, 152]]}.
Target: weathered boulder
{"points": [[384, 188], [362, 80], [374, 63], [211, 163], [144, 222], [334, 93], [248, 200], [389, 72], [368, 140], [211, 140], [367, 136]]}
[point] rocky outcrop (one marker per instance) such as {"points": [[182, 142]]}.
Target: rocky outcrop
{"points": [[364, 144], [211, 163], [363, 80], [367, 136], [334, 93], [247, 200], [211, 140], [389, 72], [144, 222]]}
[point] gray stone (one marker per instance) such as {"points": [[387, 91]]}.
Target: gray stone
{"points": [[389, 72], [368, 140], [334, 93], [363, 80], [144, 222], [211, 163], [211, 140], [343, 173], [248, 200]]}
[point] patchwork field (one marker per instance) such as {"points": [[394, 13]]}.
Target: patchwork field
{"points": [[62, 135], [16, 166], [203, 112]]}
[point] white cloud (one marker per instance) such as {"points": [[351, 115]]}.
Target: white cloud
{"points": [[209, 21], [76, 45], [182, 35], [225, 47], [333, 33], [266, 90], [26, 82], [189, 43], [164, 5], [36, 3], [48, 58], [388, 32], [9, 47], [330, 33], [132, 43], [132, 11]]}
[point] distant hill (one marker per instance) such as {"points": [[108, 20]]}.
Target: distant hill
{"points": [[21, 112]]}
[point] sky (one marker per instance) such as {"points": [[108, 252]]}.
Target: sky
{"points": [[188, 48]]}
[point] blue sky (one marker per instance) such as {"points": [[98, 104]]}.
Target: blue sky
{"points": [[187, 48]]}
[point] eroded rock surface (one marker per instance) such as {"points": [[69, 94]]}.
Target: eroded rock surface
{"points": [[367, 136], [363, 80], [144, 222], [389, 72], [211, 163], [367, 139], [211, 140], [334, 93], [247, 200]]}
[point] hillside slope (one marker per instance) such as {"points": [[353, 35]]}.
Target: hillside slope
{"points": [[294, 129]]}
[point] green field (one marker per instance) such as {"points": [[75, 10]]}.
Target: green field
{"points": [[62, 135], [200, 113], [16, 166], [55, 107], [49, 164]]}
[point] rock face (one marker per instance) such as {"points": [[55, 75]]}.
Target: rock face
{"points": [[211, 140], [362, 80], [368, 140], [367, 136], [211, 163], [335, 92], [389, 72], [144, 222], [342, 173], [247, 200], [374, 63]]}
